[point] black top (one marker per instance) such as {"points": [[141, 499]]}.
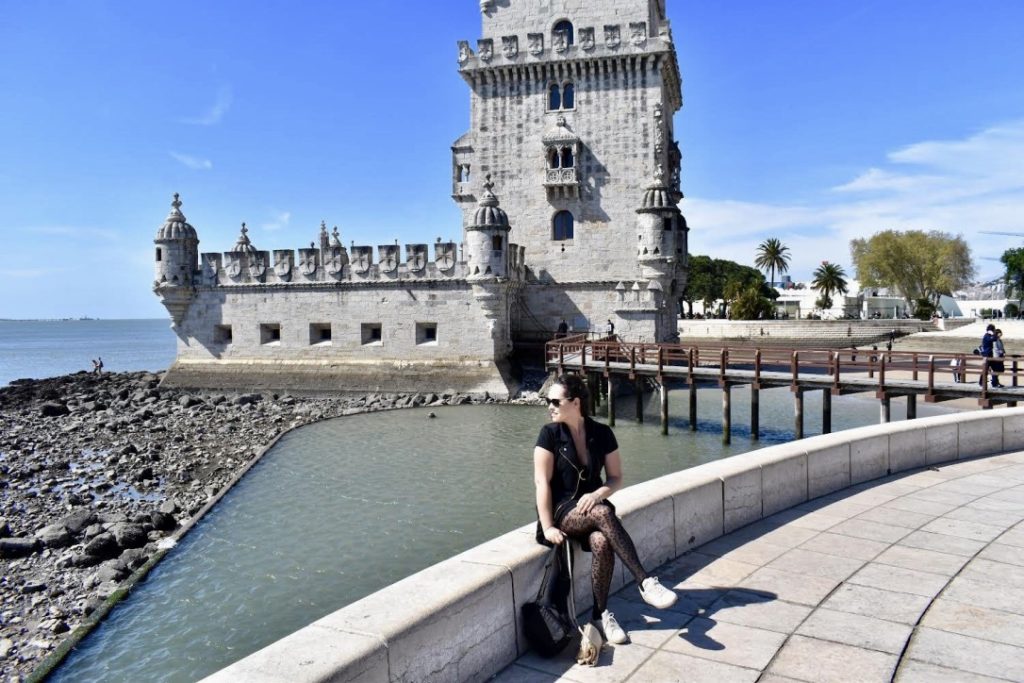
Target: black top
{"points": [[570, 479]]}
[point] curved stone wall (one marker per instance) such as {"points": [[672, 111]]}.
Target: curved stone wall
{"points": [[458, 620]]}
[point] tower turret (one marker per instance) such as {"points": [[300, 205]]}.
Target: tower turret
{"points": [[487, 238], [176, 260], [657, 250]]}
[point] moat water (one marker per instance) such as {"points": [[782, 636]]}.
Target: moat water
{"points": [[342, 508]]}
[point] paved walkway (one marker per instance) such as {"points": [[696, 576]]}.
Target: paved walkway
{"points": [[918, 577]]}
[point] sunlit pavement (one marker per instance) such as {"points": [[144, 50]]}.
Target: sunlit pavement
{"points": [[916, 577]]}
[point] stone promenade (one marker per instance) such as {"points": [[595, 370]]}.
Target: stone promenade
{"points": [[916, 577]]}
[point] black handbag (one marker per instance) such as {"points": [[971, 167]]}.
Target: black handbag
{"points": [[546, 623]]}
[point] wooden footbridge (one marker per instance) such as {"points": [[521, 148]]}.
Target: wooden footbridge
{"points": [[888, 374]]}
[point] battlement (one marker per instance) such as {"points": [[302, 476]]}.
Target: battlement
{"points": [[335, 265], [560, 18]]}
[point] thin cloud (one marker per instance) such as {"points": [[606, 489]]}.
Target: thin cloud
{"points": [[189, 161], [215, 113], [278, 222], [77, 232], [961, 187]]}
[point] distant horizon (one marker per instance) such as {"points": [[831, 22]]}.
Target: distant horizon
{"points": [[812, 123]]}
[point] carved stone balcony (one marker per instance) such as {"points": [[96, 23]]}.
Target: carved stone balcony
{"points": [[563, 182]]}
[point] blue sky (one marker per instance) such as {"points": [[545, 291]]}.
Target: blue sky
{"points": [[811, 121]]}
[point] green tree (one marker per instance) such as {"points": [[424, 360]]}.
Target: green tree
{"points": [[921, 265], [700, 284], [1013, 259], [829, 278], [772, 254], [747, 301], [709, 278]]}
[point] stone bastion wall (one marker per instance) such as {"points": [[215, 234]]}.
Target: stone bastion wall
{"points": [[458, 620]]}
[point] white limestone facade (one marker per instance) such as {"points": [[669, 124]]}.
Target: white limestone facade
{"points": [[571, 123]]}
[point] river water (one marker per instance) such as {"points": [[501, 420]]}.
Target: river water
{"points": [[339, 509]]}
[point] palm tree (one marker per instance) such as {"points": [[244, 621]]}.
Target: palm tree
{"points": [[829, 278], [771, 255]]}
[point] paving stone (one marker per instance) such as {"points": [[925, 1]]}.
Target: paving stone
{"points": [[521, 674], [955, 651], [873, 531], [922, 560], [752, 552], [998, 504], [896, 517], [899, 579], [924, 507], [758, 610], [996, 572], [713, 571], [969, 486], [956, 527], [942, 543], [919, 672], [968, 513], [874, 602], [1003, 553], [1014, 537], [816, 564], [673, 667], [857, 630], [817, 521], [810, 659], [975, 621], [986, 594], [615, 664], [728, 643], [845, 546], [774, 678], [834, 509], [948, 497], [645, 625], [790, 586]]}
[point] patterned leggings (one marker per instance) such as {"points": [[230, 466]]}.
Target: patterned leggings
{"points": [[607, 539]]}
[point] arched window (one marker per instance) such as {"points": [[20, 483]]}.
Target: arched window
{"points": [[565, 26], [567, 160], [555, 97], [496, 243], [568, 96], [562, 226], [552, 160]]}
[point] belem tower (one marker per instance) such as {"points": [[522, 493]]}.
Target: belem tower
{"points": [[568, 181]]}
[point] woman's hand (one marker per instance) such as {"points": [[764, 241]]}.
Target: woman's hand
{"points": [[587, 502], [554, 535]]}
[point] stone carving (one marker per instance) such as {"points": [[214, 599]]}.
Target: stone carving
{"points": [[535, 43], [324, 239], [485, 6], [587, 39], [510, 46], [284, 261], [308, 262], [258, 265], [465, 53], [659, 131], [444, 255], [388, 257], [638, 33], [485, 49], [362, 259], [337, 259], [559, 41], [416, 257], [611, 37], [233, 267], [211, 268]]}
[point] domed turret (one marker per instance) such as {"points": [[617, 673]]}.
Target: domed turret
{"points": [[656, 220], [243, 244], [487, 238], [176, 260]]}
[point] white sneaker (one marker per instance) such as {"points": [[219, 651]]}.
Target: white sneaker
{"points": [[656, 595], [613, 633]]}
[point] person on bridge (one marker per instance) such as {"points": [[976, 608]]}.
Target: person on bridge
{"points": [[572, 499], [609, 329], [986, 349], [998, 353], [563, 329]]}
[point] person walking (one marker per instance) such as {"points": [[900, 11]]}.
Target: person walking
{"points": [[572, 498], [563, 329], [609, 329], [998, 352], [986, 348]]}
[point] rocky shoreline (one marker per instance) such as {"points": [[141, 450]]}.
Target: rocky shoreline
{"points": [[97, 473]]}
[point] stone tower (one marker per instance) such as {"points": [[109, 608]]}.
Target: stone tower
{"points": [[175, 260], [571, 114]]}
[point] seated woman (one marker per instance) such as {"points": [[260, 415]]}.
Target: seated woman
{"points": [[568, 459]]}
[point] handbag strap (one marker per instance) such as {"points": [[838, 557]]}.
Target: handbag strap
{"points": [[572, 587], [552, 558]]}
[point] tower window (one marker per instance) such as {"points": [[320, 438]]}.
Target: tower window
{"points": [[496, 243], [426, 333], [552, 161], [554, 97], [565, 26], [567, 160], [370, 334], [159, 254], [222, 334], [568, 96], [562, 226], [320, 333], [270, 334]]}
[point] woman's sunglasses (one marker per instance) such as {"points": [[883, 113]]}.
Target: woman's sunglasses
{"points": [[556, 401]]}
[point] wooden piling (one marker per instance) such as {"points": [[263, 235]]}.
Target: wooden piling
{"points": [[726, 414], [693, 406], [611, 402], [886, 411], [755, 413], [826, 411], [798, 412], [638, 389], [912, 407]]}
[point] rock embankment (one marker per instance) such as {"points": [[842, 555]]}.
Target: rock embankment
{"points": [[95, 472]]}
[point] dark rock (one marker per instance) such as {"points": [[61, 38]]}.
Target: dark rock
{"points": [[169, 506], [130, 449], [163, 521], [5, 528], [13, 548], [53, 409], [129, 535], [132, 559], [33, 585], [187, 401], [84, 560], [109, 572], [103, 547], [77, 522], [247, 399]]}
